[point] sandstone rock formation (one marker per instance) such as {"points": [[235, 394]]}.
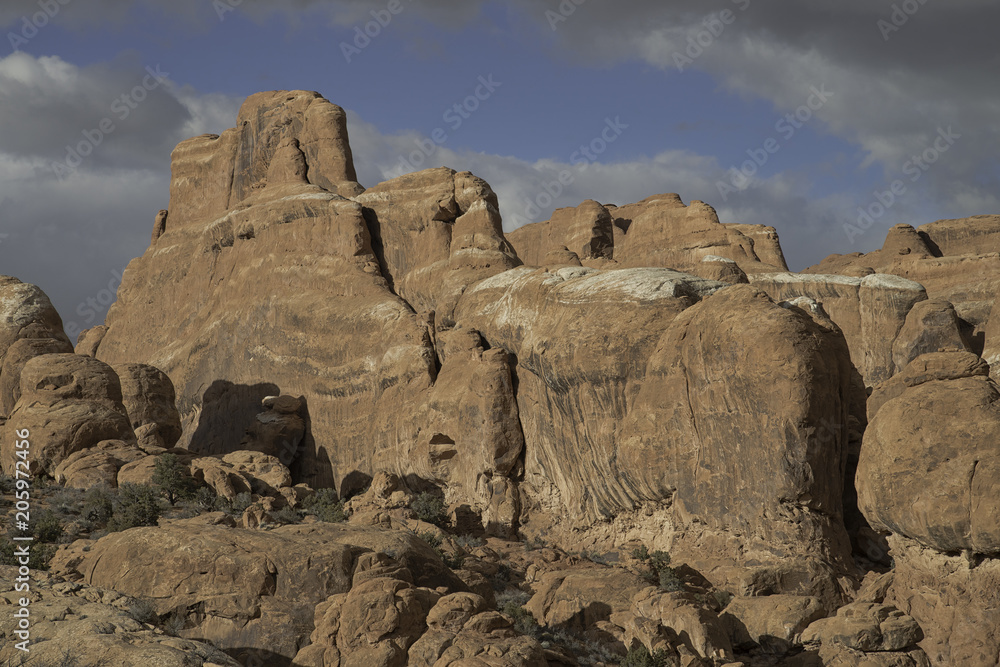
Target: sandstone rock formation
{"points": [[148, 396], [245, 589], [85, 625], [68, 403]]}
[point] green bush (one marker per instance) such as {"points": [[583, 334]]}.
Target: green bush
{"points": [[662, 574], [513, 606], [47, 527], [641, 553], [206, 499], [6, 483], [640, 656], [98, 505], [430, 508], [39, 554], [173, 478], [136, 505], [325, 506], [286, 515]]}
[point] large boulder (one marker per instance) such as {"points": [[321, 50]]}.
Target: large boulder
{"points": [[244, 589], [929, 467], [68, 403], [148, 396], [18, 354]]}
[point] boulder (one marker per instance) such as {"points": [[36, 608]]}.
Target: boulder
{"points": [[18, 354], [247, 589], [97, 465], [694, 625], [929, 467], [148, 396], [930, 326], [26, 312], [579, 599], [868, 633], [89, 340], [68, 403], [278, 430]]}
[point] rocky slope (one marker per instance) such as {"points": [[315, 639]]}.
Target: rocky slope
{"points": [[570, 402]]}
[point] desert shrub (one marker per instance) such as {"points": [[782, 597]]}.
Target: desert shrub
{"points": [[98, 505], [39, 554], [501, 580], [640, 656], [641, 553], [325, 506], [430, 538], [430, 508], [662, 574], [174, 624], [286, 515], [535, 542], [173, 478], [143, 611], [47, 527], [206, 499], [136, 505], [6, 483], [522, 619]]}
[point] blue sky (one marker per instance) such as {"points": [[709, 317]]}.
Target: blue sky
{"points": [[877, 99]]}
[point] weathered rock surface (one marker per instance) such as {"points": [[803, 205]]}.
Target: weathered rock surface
{"points": [[662, 231], [955, 260], [245, 589], [870, 310], [868, 634], [97, 465], [436, 232], [930, 326], [774, 622], [18, 354], [585, 230], [583, 598], [929, 466], [956, 601], [26, 312], [149, 398], [84, 625], [68, 403]]}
